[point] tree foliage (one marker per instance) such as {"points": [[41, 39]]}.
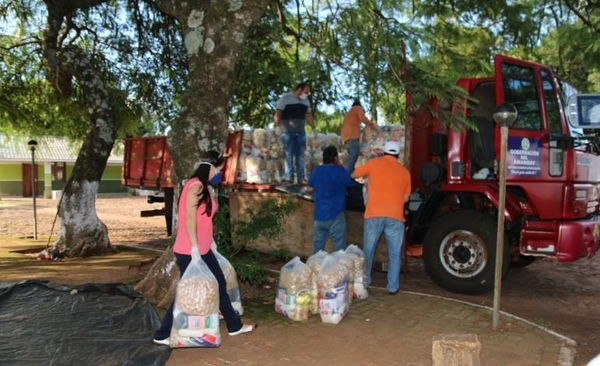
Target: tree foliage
{"points": [[136, 47], [373, 50]]}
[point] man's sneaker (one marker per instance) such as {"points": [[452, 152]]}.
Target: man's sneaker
{"points": [[164, 342], [244, 329]]}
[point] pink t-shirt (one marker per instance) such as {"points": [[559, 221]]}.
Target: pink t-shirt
{"points": [[204, 224]]}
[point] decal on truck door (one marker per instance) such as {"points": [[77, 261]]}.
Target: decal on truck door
{"points": [[524, 157]]}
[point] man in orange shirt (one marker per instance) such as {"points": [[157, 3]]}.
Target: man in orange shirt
{"points": [[388, 188], [351, 132]]}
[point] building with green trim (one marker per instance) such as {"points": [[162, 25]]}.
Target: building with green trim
{"points": [[53, 160]]}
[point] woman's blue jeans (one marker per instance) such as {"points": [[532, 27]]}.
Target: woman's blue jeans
{"points": [[294, 145], [393, 230], [353, 148]]}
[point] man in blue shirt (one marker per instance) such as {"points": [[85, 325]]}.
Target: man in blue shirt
{"points": [[329, 182], [292, 114]]}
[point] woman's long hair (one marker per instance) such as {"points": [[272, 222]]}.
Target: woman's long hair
{"points": [[202, 172]]}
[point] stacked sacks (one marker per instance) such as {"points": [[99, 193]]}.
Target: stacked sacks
{"points": [[332, 287], [245, 151], [196, 310], [372, 142], [261, 158], [293, 293], [315, 144], [358, 257]]}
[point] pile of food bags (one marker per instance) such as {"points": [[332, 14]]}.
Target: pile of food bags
{"points": [[261, 158], [325, 285]]}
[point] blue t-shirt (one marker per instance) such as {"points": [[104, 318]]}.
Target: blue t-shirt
{"points": [[329, 183]]}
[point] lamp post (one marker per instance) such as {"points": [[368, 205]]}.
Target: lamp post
{"points": [[32, 145], [505, 115]]}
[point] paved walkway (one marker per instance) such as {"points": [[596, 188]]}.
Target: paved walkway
{"points": [[384, 330]]}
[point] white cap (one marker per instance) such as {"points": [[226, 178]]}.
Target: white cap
{"points": [[392, 147]]}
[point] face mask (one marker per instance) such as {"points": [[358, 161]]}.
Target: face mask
{"points": [[216, 179], [303, 96]]}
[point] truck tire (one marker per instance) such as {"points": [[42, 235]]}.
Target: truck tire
{"points": [[459, 252]]}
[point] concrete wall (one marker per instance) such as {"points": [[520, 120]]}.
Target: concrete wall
{"points": [[297, 231]]}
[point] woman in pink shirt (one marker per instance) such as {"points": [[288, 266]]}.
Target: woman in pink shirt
{"points": [[196, 209]]}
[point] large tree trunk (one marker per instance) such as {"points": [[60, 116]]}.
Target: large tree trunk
{"points": [[81, 231], [213, 34]]}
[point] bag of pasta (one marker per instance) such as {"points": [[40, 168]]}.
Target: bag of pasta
{"points": [[332, 286], [359, 290], [196, 309], [293, 293]]}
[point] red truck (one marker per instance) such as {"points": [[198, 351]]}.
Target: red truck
{"points": [[147, 165], [552, 199], [552, 183]]}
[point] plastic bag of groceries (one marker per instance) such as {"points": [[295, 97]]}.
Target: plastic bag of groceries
{"points": [[293, 293], [359, 290], [347, 261], [233, 290], [196, 310], [314, 263], [332, 286]]}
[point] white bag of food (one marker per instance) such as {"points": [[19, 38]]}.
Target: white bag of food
{"points": [[314, 263], [233, 290], [347, 261], [332, 286], [359, 290], [196, 310], [293, 293]]}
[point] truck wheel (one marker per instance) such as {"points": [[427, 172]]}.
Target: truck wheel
{"points": [[459, 252]]}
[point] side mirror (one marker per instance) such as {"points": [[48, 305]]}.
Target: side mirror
{"points": [[583, 111]]}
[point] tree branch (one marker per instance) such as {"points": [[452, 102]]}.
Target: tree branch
{"points": [[585, 20]]}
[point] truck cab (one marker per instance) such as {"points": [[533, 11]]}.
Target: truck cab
{"points": [[552, 179]]}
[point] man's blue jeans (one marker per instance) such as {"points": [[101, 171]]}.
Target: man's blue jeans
{"points": [[353, 147], [336, 229], [393, 231], [294, 144]]}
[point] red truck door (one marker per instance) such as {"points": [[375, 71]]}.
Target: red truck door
{"points": [[534, 156]]}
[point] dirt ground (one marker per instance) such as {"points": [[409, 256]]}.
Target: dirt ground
{"points": [[563, 297]]}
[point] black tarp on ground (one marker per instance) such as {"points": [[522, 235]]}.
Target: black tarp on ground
{"points": [[42, 323]]}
